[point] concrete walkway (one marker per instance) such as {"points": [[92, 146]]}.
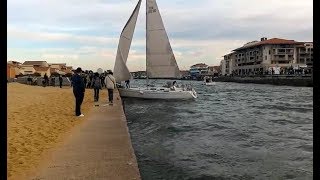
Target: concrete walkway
{"points": [[99, 149]]}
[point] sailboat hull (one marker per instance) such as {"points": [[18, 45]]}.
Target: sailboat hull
{"points": [[157, 93]]}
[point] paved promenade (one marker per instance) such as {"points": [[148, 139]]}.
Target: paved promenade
{"points": [[99, 149]]}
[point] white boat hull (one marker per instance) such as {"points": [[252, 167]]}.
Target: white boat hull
{"points": [[157, 93], [209, 83]]}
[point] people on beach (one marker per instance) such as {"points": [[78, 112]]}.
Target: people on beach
{"points": [[53, 81], [29, 80], [78, 90], [46, 79], [110, 81], [60, 81], [96, 84], [44, 83]]}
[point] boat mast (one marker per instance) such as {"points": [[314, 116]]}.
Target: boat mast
{"points": [[147, 43]]}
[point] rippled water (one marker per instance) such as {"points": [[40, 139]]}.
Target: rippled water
{"points": [[232, 131]]}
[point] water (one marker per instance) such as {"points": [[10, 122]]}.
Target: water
{"points": [[232, 131]]}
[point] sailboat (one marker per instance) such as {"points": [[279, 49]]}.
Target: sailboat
{"points": [[160, 60]]}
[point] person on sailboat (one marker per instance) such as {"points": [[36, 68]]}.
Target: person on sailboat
{"points": [[127, 83], [110, 81], [173, 87]]}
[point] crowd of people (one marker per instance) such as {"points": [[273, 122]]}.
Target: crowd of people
{"points": [[80, 81]]}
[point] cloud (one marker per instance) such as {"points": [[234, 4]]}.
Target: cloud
{"points": [[86, 32], [60, 56]]}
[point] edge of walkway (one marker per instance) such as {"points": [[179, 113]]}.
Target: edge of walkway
{"points": [[100, 148]]}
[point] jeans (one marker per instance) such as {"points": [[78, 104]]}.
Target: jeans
{"points": [[79, 99], [110, 94], [96, 94], [60, 83]]}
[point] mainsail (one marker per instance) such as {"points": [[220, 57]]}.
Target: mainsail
{"points": [[161, 62], [121, 71]]}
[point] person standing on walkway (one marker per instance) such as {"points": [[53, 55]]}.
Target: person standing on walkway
{"points": [[110, 81], [60, 81], [96, 84], [78, 90]]}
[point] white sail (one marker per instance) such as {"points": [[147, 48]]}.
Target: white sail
{"points": [[121, 71], [161, 62]]}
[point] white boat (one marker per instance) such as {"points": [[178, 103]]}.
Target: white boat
{"points": [[160, 60], [208, 81], [157, 93]]}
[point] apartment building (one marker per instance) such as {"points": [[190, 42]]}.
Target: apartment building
{"points": [[228, 64], [197, 69], [259, 56], [305, 54]]}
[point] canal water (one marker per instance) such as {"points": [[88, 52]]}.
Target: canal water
{"points": [[232, 131]]}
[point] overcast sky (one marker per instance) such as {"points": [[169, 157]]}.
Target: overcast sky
{"points": [[86, 33]]}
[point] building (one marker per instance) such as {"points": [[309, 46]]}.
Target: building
{"points": [[214, 70], [305, 54], [184, 74], [228, 64], [257, 57], [198, 69], [43, 70], [36, 63], [11, 72], [41, 67], [27, 70], [13, 69]]}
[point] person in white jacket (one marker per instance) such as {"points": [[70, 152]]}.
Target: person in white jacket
{"points": [[110, 81]]}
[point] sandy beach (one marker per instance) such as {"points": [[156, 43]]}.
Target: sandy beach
{"points": [[38, 119]]}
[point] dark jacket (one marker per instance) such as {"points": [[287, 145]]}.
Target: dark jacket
{"points": [[96, 83], [78, 84]]}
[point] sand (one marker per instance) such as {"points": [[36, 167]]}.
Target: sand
{"points": [[38, 119]]}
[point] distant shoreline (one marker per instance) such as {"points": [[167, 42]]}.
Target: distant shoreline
{"points": [[301, 81], [281, 80]]}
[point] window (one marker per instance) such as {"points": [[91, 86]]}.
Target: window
{"points": [[269, 51], [265, 58]]}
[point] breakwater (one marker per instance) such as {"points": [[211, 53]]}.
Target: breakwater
{"points": [[303, 81]]}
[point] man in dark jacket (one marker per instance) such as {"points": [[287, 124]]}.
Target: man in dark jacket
{"points": [[78, 90], [60, 81]]}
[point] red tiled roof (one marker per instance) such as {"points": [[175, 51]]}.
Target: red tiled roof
{"points": [[270, 41], [41, 68]]}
